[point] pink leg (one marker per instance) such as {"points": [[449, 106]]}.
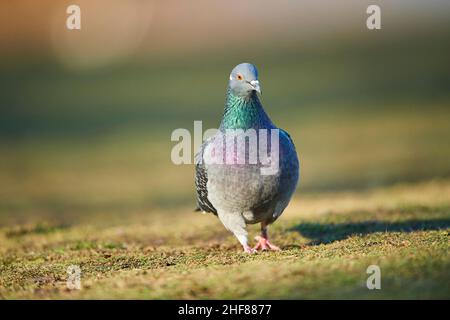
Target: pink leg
{"points": [[263, 241]]}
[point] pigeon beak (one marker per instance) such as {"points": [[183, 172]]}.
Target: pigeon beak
{"points": [[256, 86]]}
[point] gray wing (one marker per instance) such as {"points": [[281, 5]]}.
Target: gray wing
{"points": [[201, 180]]}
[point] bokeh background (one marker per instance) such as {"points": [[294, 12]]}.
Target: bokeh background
{"points": [[86, 115]]}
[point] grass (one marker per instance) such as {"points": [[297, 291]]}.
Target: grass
{"points": [[328, 242], [86, 177]]}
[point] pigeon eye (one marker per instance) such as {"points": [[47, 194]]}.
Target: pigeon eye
{"points": [[239, 77]]}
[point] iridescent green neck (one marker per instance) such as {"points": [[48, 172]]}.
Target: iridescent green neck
{"points": [[244, 113]]}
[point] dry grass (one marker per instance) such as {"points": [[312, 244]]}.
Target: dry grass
{"points": [[328, 241]]}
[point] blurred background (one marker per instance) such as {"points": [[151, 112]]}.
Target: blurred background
{"points": [[86, 115]]}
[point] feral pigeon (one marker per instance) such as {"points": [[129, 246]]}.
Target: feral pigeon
{"points": [[229, 182]]}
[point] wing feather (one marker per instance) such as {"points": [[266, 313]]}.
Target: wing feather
{"points": [[201, 181]]}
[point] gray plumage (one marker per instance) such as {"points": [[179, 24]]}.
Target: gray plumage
{"points": [[238, 193]]}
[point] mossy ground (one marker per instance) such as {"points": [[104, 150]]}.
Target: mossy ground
{"points": [[86, 177], [328, 242]]}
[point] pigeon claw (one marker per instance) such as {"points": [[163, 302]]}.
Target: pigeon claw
{"points": [[264, 244], [248, 249]]}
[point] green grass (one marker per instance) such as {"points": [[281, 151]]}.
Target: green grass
{"points": [[86, 177], [328, 242]]}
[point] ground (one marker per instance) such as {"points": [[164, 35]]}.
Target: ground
{"points": [[327, 241], [86, 176]]}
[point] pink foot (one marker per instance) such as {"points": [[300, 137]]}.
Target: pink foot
{"points": [[264, 244], [248, 249]]}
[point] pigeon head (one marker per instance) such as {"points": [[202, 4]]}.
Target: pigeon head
{"points": [[244, 80]]}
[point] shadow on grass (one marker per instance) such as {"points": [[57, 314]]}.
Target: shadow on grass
{"points": [[322, 233], [40, 228]]}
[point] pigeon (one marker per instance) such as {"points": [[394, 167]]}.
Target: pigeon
{"points": [[241, 192]]}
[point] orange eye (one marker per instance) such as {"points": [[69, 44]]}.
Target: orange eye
{"points": [[239, 77]]}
